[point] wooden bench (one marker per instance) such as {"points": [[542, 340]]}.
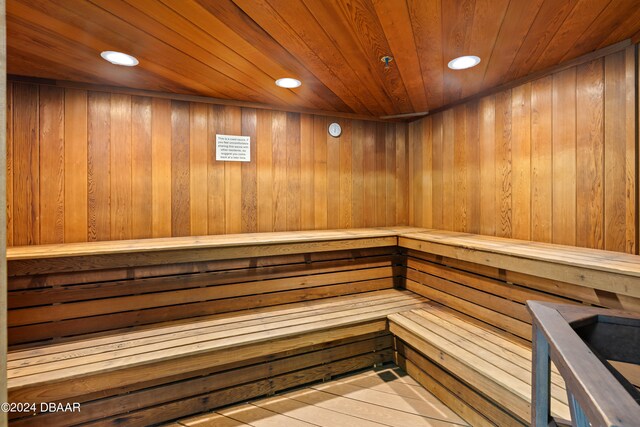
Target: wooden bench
{"points": [[490, 375], [478, 326], [142, 332], [187, 366], [148, 331]]}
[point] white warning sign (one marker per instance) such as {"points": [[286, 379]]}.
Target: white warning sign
{"points": [[233, 148]]}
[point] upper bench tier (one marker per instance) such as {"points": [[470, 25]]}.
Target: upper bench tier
{"points": [[604, 270], [598, 269]]}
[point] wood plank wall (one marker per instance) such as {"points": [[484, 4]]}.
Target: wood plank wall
{"points": [[89, 165], [552, 160]]}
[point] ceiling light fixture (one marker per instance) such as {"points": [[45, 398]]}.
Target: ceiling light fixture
{"points": [[288, 83], [464, 62], [119, 58]]}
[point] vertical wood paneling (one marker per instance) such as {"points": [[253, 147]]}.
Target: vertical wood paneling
{"points": [[307, 206], [473, 168], [503, 164], [198, 173], [460, 183], [564, 157], [161, 167], [51, 140], [390, 174], [215, 171], [402, 192], [448, 147], [279, 138], [615, 152], [320, 171], [557, 159], [26, 164], [521, 161], [264, 158], [180, 215], [437, 172], [121, 206], [249, 175], [427, 181], [10, 167], [98, 166], [416, 170], [75, 166], [293, 171], [590, 155], [541, 160], [233, 175], [631, 156], [346, 181], [381, 196], [357, 181], [487, 181], [369, 166], [141, 172], [333, 181]]}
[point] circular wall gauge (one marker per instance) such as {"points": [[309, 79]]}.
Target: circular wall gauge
{"points": [[335, 130]]}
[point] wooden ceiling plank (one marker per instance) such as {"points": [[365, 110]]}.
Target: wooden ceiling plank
{"points": [[548, 21], [220, 31], [111, 33], [254, 35], [48, 47], [628, 29], [365, 29], [518, 19], [265, 16], [611, 18], [328, 35], [426, 24], [457, 21], [580, 18], [46, 37], [395, 20], [189, 38], [168, 26], [209, 66], [487, 20]]}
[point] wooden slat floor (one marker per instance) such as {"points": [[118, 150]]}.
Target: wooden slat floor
{"points": [[386, 396]]}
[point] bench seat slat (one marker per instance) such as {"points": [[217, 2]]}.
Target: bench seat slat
{"points": [[199, 330], [468, 356], [183, 354], [210, 340], [498, 355], [263, 314]]}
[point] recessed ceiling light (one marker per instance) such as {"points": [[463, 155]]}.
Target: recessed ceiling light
{"points": [[119, 58], [464, 62], [288, 82]]}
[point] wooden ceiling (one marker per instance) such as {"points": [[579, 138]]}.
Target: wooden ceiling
{"points": [[235, 49]]}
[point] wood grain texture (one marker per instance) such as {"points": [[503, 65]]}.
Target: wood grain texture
{"points": [[93, 165], [556, 160], [75, 166], [5, 120], [51, 113], [234, 49]]}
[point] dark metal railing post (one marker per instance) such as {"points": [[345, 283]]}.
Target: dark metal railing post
{"points": [[541, 400]]}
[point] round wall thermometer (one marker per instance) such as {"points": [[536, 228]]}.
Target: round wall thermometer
{"points": [[335, 130]]}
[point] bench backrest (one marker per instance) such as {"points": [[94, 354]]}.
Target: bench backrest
{"points": [[56, 298], [488, 279]]}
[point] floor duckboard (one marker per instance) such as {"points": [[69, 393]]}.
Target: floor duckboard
{"points": [[385, 396]]}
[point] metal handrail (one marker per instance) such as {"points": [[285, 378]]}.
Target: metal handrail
{"points": [[597, 396]]}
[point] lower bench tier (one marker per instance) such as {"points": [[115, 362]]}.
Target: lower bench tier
{"points": [[482, 376], [162, 373]]}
